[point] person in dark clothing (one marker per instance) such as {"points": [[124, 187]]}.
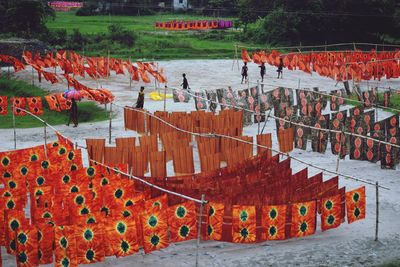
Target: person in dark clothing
{"points": [[244, 72], [280, 68], [262, 71], [73, 114], [140, 100], [185, 83]]}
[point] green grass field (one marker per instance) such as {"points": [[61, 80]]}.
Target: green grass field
{"points": [[88, 111], [152, 43], [394, 100]]}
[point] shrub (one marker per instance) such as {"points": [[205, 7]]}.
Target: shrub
{"points": [[118, 34]]}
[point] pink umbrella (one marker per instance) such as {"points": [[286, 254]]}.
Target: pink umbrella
{"points": [[73, 94]]}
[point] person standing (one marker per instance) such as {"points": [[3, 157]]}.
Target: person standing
{"points": [[140, 100], [185, 83], [280, 68], [244, 72], [73, 113], [262, 71]]}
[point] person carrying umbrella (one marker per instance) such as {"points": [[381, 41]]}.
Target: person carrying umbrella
{"points": [[73, 95]]}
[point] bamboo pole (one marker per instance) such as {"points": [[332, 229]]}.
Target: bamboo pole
{"points": [[33, 78], [109, 127], [377, 211], [259, 106], [199, 229], [45, 139], [165, 97], [340, 149], [13, 120]]}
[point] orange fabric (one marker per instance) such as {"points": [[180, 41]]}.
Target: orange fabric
{"points": [[215, 217], [121, 238], [65, 104], [65, 249], [303, 219], [52, 102], [331, 212], [243, 224], [182, 222], [245, 56], [274, 222], [90, 243], [355, 205], [3, 105], [27, 246], [155, 230], [19, 103], [35, 105]]}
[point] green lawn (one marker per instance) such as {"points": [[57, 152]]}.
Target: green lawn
{"points": [[88, 111], [394, 100], [152, 43]]}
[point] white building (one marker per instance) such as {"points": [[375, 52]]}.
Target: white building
{"points": [[180, 4]]}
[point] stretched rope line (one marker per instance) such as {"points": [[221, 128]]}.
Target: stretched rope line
{"points": [[152, 185], [326, 45], [370, 182], [299, 124], [128, 175]]}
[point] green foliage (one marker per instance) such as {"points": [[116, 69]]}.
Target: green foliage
{"points": [[120, 35], [87, 111], [24, 18]]}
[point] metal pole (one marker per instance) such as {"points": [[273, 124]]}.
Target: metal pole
{"points": [[109, 128], [259, 106], [377, 211], [199, 229], [13, 119]]}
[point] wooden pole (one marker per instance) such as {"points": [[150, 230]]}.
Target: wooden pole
{"points": [[199, 229], [165, 97], [45, 139], [259, 106], [33, 78], [340, 149], [377, 211], [13, 119], [109, 127]]}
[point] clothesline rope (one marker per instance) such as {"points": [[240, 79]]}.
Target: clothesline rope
{"points": [[126, 174], [366, 181]]}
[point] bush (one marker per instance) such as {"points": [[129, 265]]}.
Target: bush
{"points": [[77, 40], [85, 11], [118, 34]]}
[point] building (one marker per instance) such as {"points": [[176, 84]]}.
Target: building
{"points": [[180, 4]]}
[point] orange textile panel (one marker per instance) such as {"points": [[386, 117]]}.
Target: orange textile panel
{"points": [[65, 246], [162, 127], [285, 139], [121, 238], [331, 212], [355, 204], [52, 102], [65, 104], [138, 160], [95, 148], [215, 220], [208, 145], [141, 121], [35, 105], [210, 162], [182, 222], [134, 119], [3, 105], [19, 103], [158, 164], [160, 203], [155, 230], [265, 140], [273, 222], [125, 144], [14, 220], [27, 246], [303, 219], [112, 155], [90, 243], [234, 156], [183, 160], [45, 243], [245, 56], [247, 147], [243, 224], [149, 142]]}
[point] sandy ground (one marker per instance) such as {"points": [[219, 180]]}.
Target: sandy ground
{"points": [[349, 245]]}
